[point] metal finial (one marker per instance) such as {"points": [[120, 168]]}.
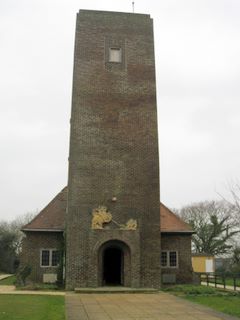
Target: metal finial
{"points": [[133, 6]]}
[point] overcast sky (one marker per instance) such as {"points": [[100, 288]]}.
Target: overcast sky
{"points": [[197, 51]]}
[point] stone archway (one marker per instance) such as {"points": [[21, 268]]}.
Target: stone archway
{"points": [[114, 264]]}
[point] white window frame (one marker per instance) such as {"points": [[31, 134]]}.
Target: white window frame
{"points": [[168, 259], [50, 257], [120, 52]]}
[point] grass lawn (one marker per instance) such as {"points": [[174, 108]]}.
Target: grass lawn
{"points": [[27, 307], [219, 300], [10, 281], [226, 304]]}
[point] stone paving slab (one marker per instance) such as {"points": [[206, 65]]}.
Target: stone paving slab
{"points": [[155, 306]]}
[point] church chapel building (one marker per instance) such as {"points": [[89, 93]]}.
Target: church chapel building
{"points": [[107, 227]]}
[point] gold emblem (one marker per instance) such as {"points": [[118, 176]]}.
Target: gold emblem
{"points": [[100, 216], [130, 225]]}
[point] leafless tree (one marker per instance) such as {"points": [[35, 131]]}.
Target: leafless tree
{"points": [[233, 200], [11, 239], [215, 225]]}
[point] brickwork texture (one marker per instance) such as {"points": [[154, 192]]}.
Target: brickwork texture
{"points": [[182, 244], [113, 148], [31, 250]]}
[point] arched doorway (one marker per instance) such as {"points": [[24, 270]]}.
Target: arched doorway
{"points": [[113, 266]]}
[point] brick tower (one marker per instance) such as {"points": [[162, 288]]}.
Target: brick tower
{"points": [[113, 215]]}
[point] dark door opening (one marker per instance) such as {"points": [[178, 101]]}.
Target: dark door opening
{"points": [[113, 267]]}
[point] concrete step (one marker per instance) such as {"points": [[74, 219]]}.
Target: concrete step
{"points": [[115, 290]]}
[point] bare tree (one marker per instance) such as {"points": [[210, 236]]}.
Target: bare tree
{"points": [[233, 199], [11, 239], [215, 226], [16, 225]]}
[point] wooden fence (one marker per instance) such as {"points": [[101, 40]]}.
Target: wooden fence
{"points": [[224, 280]]}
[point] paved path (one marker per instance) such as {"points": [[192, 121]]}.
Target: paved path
{"points": [[4, 276], [12, 290], [156, 306], [5, 289]]}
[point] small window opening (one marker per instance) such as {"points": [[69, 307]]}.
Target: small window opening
{"points": [[164, 259], [115, 55], [172, 259], [45, 258]]}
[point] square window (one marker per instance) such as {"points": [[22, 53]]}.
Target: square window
{"points": [[172, 259], [45, 258], [115, 55], [164, 259]]}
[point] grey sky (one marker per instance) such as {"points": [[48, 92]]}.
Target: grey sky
{"points": [[197, 52]]}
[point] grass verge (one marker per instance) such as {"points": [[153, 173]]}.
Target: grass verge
{"points": [[219, 300], [230, 282], [10, 281], [228, 304], [186, 289], [27, 307]]}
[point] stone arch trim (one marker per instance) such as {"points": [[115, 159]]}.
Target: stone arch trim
{"points": [[129, 243], [103, 242]]}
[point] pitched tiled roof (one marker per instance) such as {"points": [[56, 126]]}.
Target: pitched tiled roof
{"points": [[170, 222], [52, 218]]}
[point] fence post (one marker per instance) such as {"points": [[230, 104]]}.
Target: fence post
{"points": [[224, 281], [207, 280], [215, 278], [234, 283]]}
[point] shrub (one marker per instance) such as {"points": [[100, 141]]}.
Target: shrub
{"points": [[22, 275], [191, 289]]}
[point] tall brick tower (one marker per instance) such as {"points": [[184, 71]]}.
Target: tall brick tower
{"points": [[113, 215]]}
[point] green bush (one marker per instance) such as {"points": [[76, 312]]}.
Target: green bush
{"points": [[40, 286]]}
